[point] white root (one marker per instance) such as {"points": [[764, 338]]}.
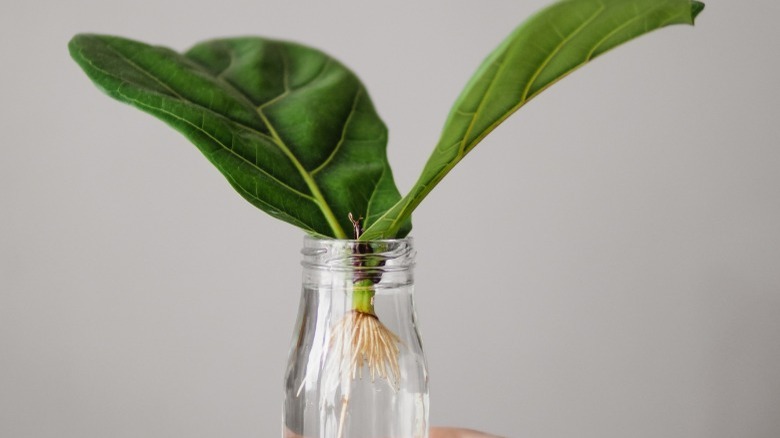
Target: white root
{"points": [[360, 340]]}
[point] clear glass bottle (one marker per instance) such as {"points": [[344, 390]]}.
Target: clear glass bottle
{"points": [[356, 367]]}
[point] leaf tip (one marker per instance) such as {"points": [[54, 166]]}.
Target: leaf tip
{"points": [[77, 39], [77, 43], [73, 43], [696, 8]]}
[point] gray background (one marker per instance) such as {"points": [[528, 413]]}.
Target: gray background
{"points": [[606, 264]]}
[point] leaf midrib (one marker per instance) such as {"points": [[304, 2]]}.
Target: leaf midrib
{"points": [[316, 197], [464, 147], [308, 178], [537, 92], [200, 129]]}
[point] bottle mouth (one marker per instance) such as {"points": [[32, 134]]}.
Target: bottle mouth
{"points": [[379, 256]]}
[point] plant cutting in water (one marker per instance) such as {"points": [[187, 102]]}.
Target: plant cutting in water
{"points": [[296, 134]]}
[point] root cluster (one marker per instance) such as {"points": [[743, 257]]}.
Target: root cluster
{"points": [[362, 341]]}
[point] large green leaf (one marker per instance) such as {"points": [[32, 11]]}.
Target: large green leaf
{"points": [[544, 49], [292, 129]]}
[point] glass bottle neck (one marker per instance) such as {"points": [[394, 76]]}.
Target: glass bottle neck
{"points": [[354, 264]]}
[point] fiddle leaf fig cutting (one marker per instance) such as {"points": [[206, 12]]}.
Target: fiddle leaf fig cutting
{"points": [[296, 134]]}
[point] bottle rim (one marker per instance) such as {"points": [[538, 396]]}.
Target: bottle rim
{"points": [[384, 255]]}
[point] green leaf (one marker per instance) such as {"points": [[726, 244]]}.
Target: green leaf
{"points": [[543, 50], [292, 130]]}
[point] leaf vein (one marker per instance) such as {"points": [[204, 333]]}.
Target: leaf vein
{"points": [[343, 137], [539, 70], [139, 68], [223, 146], [640, 15]]}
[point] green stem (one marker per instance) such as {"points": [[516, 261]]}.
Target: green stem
{"points": [[363, 296]]}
